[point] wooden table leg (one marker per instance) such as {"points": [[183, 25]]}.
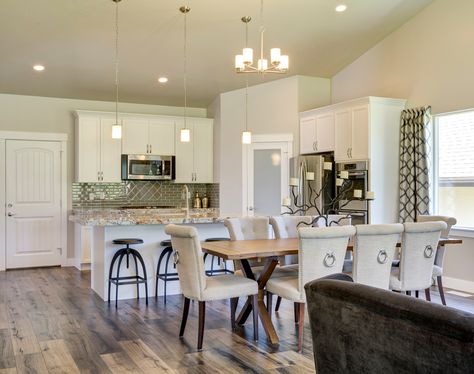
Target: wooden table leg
{"points": [[267, 271]]}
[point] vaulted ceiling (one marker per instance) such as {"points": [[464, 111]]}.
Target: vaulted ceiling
{"points": [[74, 39]]}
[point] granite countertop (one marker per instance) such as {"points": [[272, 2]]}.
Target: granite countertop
{"points": [[151, 216]]}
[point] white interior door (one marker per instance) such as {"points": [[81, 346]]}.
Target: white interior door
{"points": [[267, 180], [33, 198]]}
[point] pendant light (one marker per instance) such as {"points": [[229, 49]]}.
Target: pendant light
{"points": [[116, 127], [185, 133], [246, 134]]}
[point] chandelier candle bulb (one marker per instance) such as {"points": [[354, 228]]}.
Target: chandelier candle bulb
{"points": [[286, 201], [239, 62], [284, 64], [358, 194], [248, 56], [328, 166], [294, 182], [275, 55], [310, 176], [370, 195], [339, 182], [344, 175]]}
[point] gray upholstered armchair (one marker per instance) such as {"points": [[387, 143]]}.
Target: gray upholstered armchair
{"points": [[361, 329]]}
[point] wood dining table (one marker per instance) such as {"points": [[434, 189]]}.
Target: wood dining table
{"points": [[268, 250]]}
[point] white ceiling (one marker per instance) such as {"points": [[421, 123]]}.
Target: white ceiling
{"points": [[74, 39]]}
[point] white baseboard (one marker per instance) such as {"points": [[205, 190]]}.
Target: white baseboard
{"points": [[458, 284], [71, 262]]}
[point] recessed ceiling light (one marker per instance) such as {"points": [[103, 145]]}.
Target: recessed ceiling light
{"points": [[162, 79], [341, 8], [38, 67]]}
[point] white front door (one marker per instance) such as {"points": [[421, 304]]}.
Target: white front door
{"points": [[267, 178], [33, 203]]}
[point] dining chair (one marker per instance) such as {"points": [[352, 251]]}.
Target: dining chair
{"points": [[374, 249], [196, 285], [248, 228], [439, 259], [321, 253], [418, 251], [285, 227]]}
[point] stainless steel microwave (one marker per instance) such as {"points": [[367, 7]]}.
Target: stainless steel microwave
{"points": [[148, 167]]}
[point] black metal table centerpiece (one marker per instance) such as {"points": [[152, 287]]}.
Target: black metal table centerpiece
{"points": [[332, 207]]}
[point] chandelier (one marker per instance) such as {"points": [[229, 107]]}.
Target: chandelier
{"points": [[244, 63]]}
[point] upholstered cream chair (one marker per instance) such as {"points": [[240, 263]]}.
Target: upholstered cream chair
{"points": [[248, 228], [287, 227], [321, 253], [439, 259], [197, 286], [374, 249], [418, 252]]}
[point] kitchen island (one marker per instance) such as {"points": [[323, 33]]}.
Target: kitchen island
{"points": [[147, 224]]}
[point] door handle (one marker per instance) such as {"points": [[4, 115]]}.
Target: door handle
{"points": [[10, 214]]}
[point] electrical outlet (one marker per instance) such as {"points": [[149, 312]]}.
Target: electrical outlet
{"points": [[102, 195], [92, 196]]}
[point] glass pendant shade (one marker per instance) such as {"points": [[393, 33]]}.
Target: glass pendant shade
{"points": [[246, 137], [284, 62], [262, 64], [275, 54], [185, 135], [116, 131], [248, 56], [239, 62]]}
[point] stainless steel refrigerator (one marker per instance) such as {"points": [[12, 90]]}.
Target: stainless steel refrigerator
{"points": [[308, 189]]}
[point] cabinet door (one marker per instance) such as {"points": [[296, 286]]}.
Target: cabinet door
{"points": [[135, 137], [307, 135], [325, 132], [161, 137], [184, 156], [88, 150], [360, 133], [343, 134], [203, 151], [110, 153]]}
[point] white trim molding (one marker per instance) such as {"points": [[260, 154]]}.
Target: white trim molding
{"points": [[459, 284], [43, 136]]}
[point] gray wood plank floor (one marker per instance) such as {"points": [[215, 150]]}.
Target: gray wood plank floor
{"points": [[52, 322]]}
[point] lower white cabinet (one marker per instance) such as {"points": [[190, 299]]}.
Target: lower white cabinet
{"points": [[194, 159]]}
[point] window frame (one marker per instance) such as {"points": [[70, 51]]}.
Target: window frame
{"points": [[465, 231]]}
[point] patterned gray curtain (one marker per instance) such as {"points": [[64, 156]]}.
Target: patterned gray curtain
{"points": [[415, 159]]}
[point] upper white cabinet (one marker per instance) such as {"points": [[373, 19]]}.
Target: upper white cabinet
{"points": [[316, 131], [155, 136], [194, 159], [97, 154], [352, 133]]}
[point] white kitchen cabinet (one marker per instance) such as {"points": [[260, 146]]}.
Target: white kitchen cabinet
{"points": [[149, 136], [366, 129], [316, 132], [194, 159], [98, 156]]}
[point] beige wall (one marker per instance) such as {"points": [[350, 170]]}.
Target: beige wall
{"points": [[44, 114], [273, 108], [429, 61]]}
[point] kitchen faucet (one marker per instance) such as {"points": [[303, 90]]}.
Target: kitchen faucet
{"points": [[187, 196]]}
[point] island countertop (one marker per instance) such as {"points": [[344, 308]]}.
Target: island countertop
{"points": [[150, 216]]}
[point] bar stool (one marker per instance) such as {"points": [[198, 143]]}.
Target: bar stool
{"points": [[212, 271], [166, 276], [132, 279]]}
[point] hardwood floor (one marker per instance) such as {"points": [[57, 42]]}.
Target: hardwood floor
{"points": [[51, 322]]}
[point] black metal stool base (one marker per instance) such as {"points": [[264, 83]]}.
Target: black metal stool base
{"points": [[166, 276], [131, 279], [217, 271]]}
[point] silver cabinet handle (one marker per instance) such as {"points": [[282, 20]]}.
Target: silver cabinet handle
{"points": [[151, 148], [315, 145], [10, 214], [350, 152], [98, 176], [102, 176], [347, 152]]}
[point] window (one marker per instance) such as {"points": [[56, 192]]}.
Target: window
{"points": [[454, 175]]}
